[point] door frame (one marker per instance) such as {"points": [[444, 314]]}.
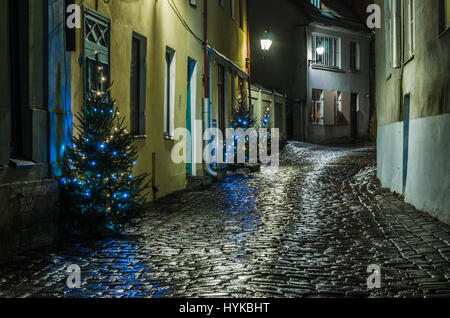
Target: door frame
{"points": [[191, 98]]}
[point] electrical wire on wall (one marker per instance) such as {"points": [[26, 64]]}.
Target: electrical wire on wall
{"points": [[182, 20]]}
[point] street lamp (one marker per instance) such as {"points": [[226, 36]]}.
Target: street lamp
{"points": [[266, 44], [266, 41]]}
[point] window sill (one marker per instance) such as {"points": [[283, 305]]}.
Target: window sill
{"points": [[327, 68], [409, 59], [21, 164], [445, 32], [169, 138], [330, 125], [139, 136]]}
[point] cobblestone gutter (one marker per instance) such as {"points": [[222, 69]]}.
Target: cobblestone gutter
{"points": [[28, 216]]}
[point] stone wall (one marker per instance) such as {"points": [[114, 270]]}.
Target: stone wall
{"points": [[29, 216]]}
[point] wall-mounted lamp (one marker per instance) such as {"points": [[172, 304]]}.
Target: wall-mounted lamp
{"points": [[266, 41], [319, 51], [266, 44]]}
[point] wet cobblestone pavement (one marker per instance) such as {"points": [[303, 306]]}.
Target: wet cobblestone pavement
{"points": [[310, 229]]}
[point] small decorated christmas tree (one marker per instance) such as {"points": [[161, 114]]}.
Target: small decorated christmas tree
{"points": [[100, 193], [242, 118], [266, 137]]}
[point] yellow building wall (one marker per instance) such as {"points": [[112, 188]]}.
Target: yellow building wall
{"points": [[158, 22]]}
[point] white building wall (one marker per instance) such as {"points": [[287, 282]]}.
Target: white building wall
{"points": [[344, 80], [428, 182]]}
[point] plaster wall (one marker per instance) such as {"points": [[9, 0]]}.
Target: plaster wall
{"points": [[428, 182], [157, 21], [425, 78], [342, 80]]}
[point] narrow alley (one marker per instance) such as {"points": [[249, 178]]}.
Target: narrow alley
{"points": [[309, 229]]}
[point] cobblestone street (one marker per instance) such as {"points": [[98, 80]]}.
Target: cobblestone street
{"points": [[310, 229]]}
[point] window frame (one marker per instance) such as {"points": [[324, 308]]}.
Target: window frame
{"points": [[337, 58], [317, 106], [241, 14], [408, 21], [388, 36], [444, 17], [169, 92], [90, 48], [356, 55], [140, 130], [233, 9]]}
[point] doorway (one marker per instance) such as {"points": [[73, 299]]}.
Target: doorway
{"points": [[190, 115], [354, 115]]}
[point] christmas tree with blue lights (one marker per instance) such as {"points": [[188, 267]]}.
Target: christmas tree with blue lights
{"points": [[267, 136], [242, 118], [100, 193]]}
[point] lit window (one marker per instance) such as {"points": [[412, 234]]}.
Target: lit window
{"points": [[326, 51], [317, 106]]}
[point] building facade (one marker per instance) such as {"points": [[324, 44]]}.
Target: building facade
{"points": [[338, 101], [328, 90], [412, 110], [152, 51], [271, 102]]}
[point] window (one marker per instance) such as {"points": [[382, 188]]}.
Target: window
{"points": [[233, 9], [387, 34], [317, 106], [331, 51], [193, 3], [444, 15], [221, 97], [221, 3], [17, 80], [354, 56], [396, 56], [96, 40], [241, 14], [316, 3], [241, 93], [447, 13], [138, 76], [169, 94], [408, 29]]}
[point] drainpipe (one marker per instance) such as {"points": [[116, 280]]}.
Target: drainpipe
{"points": [[206, 105]]}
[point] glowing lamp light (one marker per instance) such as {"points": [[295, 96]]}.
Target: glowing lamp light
{"points": [[266, 41], [320, 50], [266, 44]]}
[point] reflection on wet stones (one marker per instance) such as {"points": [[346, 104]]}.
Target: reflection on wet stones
{"points": [[307, 229]]}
